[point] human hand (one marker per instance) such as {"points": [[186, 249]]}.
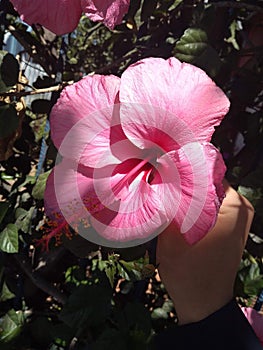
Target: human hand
{"points": [[200, 278]]}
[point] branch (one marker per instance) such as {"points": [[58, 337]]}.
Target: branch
{"points": [[238, 5], [38, 280], [36, 92], [47, 62]]}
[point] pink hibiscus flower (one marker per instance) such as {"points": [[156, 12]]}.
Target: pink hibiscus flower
{"points": [[256, 321], [62, 16], [136, 153]]}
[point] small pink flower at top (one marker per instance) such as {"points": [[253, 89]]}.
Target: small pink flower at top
{"points": [[62, 16], [136, 153], [256, 321]]}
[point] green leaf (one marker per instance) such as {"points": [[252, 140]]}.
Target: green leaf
{"points": [[159, 313], [38, 126], [39, 188], [23, 219], [192, 44], [3, 210], [255, 238], [9, 239], [6, 294], [134, 272], [75, 275], [254, 272], [73, 60], [209, 61], [193, 47], [254, 286], [232, 39], [9, 120], [249, 276], [168, 306], [175, 4], [252, 194], [122, 272], [9, 70], [88, 305], [135, 269], [11, 325], [110, 273], [101, 264]]}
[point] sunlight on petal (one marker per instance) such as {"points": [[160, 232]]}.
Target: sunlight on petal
{"points": [[107, 11], [179, 88], [60, 17]]}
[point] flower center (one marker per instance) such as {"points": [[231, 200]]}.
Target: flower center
{"points": [[133, 168]]}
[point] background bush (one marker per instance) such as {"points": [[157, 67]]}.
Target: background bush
{"points": [[78, 295]]}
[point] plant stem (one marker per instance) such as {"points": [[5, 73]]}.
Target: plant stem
{"points": [[38, 280], [36, 92]]}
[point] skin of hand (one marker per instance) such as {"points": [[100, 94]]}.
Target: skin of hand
{"points": [[200, 278]]}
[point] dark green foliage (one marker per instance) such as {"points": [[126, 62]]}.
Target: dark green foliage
{"points": [[9, 70], [8, 119]]}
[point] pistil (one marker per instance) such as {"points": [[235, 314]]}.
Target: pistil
{"points": [[119, 186]]}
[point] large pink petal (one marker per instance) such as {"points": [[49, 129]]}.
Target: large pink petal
{"points": [[149, 127], [78, 191], [107, 11], [65, 186], [85, 122], [181, 89], [133, 202], [193, 197], [215, 194], [59, 16], [79, 102], [132, 212], [136, 217]]}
